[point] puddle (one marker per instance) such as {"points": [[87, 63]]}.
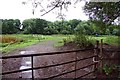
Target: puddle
{"points": [[25, 64], [27, 52], [22, 52], [28, 62], [25, 67]]}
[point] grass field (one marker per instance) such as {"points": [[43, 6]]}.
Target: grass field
{"points": [[113, 40], [12, 42]]}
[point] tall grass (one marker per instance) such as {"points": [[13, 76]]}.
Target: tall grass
{"points": [[9, 39], [11, 42], [20, 41]]}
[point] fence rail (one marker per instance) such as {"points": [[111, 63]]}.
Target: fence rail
{"points": [[110, 50], [43, 54], [47, 66], [50, 53], [70, 71]]}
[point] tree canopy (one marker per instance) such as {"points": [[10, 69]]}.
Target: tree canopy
{"points": [[10, 26], [106, 12]]}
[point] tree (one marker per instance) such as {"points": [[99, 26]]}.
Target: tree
{"points": [[103, 11], [84, 27], [17, 23], [116, 31], [73, 23], [10, 26], [51, 29], [34, 26], [106, 12], [1, 26], [40, 24], [28, 26]]}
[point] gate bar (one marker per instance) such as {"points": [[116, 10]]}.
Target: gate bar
{"points": [[46, 66], [32, 67]]}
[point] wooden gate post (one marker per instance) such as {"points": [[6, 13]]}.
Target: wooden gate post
{"points": [[95, 59], [75, 63], [101, 54]]}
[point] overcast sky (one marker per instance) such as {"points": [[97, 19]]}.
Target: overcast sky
{"points": [[14, 9]]}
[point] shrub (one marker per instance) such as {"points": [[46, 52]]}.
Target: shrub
{"points": [[67, 40], [107, 69], [82, 40]]}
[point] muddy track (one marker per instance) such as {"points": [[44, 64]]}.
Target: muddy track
{"points": [[43, 47]]}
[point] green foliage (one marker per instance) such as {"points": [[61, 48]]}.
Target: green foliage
{"points": [[4, 44], [28, 40], [12, 42], [41, 26], [10, 26], [1, 26], [107, 69], [105, 12], [113, 39], [82, 40], [34, 26], [67, 40], [116, 32], [85, 27], [64, 40]]}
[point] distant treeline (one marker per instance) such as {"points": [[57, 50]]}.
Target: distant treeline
{"points": [[41, 26]]}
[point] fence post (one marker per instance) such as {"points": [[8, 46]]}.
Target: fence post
{"points": [[32, 67], [75, 63], [95, 59], [101, 54]]}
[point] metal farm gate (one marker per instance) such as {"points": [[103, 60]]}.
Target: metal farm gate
{"points": [[96, 59]]}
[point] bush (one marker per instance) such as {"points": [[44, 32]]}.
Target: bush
{"points": [[116, 32], [82, 40]]}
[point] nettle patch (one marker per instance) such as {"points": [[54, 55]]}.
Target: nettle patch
{"points": [[109, 71], [10, 39]]}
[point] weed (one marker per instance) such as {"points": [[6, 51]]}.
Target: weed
{"points": [[107, 69]]}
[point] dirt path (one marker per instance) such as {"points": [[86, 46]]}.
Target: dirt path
{"points": [[43, 47], [22, 63]]}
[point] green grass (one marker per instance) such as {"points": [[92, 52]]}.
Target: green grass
{"points": [[113, 40], [60, 39], [64, 39], [59, 43], [27, 40]]}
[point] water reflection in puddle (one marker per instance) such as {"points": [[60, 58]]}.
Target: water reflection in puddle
{"points": [[22, 52], [25, 67], [28, 62], [25, 64], [27, 52]]}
